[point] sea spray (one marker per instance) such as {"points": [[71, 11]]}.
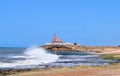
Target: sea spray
{"points": [[40, 55], [31, 57]]}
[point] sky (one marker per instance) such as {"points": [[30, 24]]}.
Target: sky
{"points": [[33, 22]]}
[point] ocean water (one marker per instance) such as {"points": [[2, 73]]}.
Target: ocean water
{"points": [[36, 57]]}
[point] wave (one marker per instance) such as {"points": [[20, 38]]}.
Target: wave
{"points": [[32, 56]]}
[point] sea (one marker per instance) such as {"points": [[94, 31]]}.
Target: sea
{"points": [[36, 57]]}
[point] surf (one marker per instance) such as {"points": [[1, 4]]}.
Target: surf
{"points": [[32, 56]]}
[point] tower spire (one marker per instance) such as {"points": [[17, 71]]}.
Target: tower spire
{"points": [[54, 38]]}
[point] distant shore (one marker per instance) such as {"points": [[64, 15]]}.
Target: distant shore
{"points": [[98, 49]]}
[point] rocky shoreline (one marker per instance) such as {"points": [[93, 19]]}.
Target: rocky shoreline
{"points": [[5, 72], [12, 71], [98, 49], [111, 70]]}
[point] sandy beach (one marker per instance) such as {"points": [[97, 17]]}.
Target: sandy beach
{"points": [[111, 51], [111, 70]]}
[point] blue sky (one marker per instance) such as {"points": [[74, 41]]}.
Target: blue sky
{"points": [[33, 22]]}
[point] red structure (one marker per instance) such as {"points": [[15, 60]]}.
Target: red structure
{"points": [[56, 40]]}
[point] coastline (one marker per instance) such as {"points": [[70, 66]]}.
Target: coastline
{"points": [[111, 70], [106, 52], [77, 48]]}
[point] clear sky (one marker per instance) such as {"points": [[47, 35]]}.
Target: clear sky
{"points": [[88, 22]]}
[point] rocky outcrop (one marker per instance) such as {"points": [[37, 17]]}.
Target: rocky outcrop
{"points": [[6, 72], [81, 48], [60, 47]]}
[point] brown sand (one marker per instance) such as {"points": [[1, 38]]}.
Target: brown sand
{"points": [[112, 70], [111, 51]]}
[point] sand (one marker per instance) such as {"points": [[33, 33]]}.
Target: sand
{"points": [[111, 52], [112, 70]]}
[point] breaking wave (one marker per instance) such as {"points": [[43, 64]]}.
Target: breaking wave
{"points": [[32, 56]]}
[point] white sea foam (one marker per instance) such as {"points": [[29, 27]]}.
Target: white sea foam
{"points": [[32, 56]]}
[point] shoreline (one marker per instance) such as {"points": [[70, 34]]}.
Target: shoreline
{"points": [[111, 70], [107, 53], [28, 71], [77, 48]]}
